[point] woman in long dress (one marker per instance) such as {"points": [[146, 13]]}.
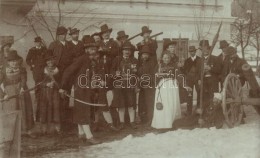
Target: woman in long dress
{"points": [[167, 100]]}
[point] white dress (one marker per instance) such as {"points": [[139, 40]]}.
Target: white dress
{"points": [[167, 92]]}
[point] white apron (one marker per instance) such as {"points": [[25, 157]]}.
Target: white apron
{"points": [[167, 92]]}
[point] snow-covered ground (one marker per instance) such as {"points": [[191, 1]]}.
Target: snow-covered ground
{"points": [[239, 142]]}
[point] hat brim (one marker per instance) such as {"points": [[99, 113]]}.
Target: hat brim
{"points": [[71, 33], [49, 58], [192, 50], [90, 45], [148, 31], [108, 30], [124, 48], [122, 37]]}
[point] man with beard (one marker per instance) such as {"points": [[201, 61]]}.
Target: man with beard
{"points": [[35, 60], [82, 70], [146, 74]]}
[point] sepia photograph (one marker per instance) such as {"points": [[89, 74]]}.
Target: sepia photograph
{"points": [[130, 79]]}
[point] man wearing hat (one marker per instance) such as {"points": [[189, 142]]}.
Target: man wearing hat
{"points": [[61, 51], [147, 91], [124, 94], [191, 70], [81, 71], [223, 44], [152, 44], [108, 46], [76, 46], [35, 60], [97, 37], [212, 70], [121, 39]]}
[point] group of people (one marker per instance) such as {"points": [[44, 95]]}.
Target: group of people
{"points": [[102, 77]]}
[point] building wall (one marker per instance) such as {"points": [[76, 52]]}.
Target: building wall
{"points": [[175, 18]]}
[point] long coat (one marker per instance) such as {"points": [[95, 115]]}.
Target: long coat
{"points": [[76, 50], [188, 65], [152, 44], [82, 90], [62, 54]]}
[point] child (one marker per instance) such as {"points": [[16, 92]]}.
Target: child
{"points": [[14, 77], [49, 111]]}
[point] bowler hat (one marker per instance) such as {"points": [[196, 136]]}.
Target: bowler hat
{"points": [[74, 30], [12, 55], [38, 39], [223, 44], [127, 45], [192, 49], [89, 41], [49, 55], [145, 29], [231, 50], [121, 34], [204, 43], [145, 49], [104, 28], [61, 30]]}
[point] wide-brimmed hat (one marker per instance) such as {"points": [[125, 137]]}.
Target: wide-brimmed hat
{"points": [[127, 45], [204, 43], [89, 42], [145, 29], [145, 49], [192, 49], [104, 28], [49, 55], [73, 31], [231, 50], [121, 34], [223, 44], [61, 30], [38, 39], [12, 55]]}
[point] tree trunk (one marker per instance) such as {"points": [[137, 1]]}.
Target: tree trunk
{"points": [[257, 57]]}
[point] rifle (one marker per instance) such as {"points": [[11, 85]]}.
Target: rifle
{"points": [[202, 68], [155, 35], [129, 39]]}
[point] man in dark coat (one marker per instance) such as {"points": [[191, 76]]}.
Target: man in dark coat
{"points": [[122, 37], [124, 85], [35, 60], [82, 71], [146, 74], [212, 70], [61, 50], [224, 56], [191, 70], [152, 44], [76, 46], [108, 46]]}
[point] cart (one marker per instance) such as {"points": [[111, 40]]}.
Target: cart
{"points": [[234, 98]]}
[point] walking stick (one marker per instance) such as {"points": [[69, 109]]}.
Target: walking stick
{"points": [[202, 71]]}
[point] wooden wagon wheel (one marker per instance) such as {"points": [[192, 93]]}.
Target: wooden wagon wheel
{"points": [[232, 89]]}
